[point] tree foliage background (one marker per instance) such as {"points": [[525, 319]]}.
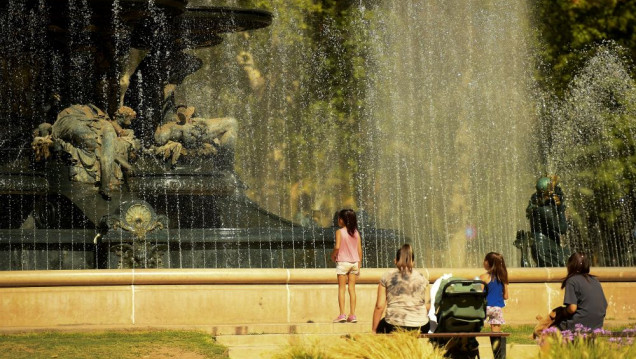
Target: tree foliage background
{"points": [[299, 97], [585, 55], [568, 30]]}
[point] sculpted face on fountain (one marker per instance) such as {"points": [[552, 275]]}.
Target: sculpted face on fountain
{"points": [[184, 114], [125, 115]]}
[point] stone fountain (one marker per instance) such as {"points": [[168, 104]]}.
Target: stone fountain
{"points": [[102, 168]]}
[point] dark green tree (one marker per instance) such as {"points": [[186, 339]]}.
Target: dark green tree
{"points": [[594, 148], [568, 29], [585, 51]]}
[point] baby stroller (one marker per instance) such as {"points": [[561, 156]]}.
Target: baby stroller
{"points": [[460, 306]]}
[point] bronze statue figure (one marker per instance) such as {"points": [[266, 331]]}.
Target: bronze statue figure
{"points": [[546, 212]]}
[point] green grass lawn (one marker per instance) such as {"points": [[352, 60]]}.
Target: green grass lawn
{"points": [[113, 344], [519, 334]]}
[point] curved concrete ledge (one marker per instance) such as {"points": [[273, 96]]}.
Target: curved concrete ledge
{"points": [[269, 276], [246, 297]]}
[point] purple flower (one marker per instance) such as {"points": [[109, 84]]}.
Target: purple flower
{"points": [[550, 330], [600, 331], [578, 327], [567, 335]]}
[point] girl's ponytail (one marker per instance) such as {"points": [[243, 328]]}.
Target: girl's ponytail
{"points": [[404, 259], [497, 266], [350, 221]]}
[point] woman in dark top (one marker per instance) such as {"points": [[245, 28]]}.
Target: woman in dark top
{"points": [[584, 298]]}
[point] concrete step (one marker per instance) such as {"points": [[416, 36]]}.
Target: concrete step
{"points": [[317, 328], [271, 339], [258, 352], [516, 351], [267, 345], [300, 328]]}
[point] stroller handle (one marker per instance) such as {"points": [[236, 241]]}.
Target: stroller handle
{"points": [[466, 282]]}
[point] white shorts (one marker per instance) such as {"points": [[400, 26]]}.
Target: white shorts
{"points": [[343, 268]]}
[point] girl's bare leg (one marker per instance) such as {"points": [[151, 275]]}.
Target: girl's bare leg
{"points": [[498, 344], [352, 293], [342, 284]]}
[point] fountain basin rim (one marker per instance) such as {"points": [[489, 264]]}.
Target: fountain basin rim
{"points": [[126, 277]]}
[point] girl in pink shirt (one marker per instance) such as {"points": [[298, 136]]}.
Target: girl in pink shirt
{"points": [[347, 254]]}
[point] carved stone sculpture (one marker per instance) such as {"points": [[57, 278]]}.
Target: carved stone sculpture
{"points": [[192, 136], [98, 147], [152, 85], [135, 220], [42, 141]]}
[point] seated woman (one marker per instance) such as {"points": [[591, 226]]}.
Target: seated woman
{"points": [[404, 293], [584, 298]]}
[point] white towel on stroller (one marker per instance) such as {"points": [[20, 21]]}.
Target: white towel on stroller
{"points": [[431, 313]]}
